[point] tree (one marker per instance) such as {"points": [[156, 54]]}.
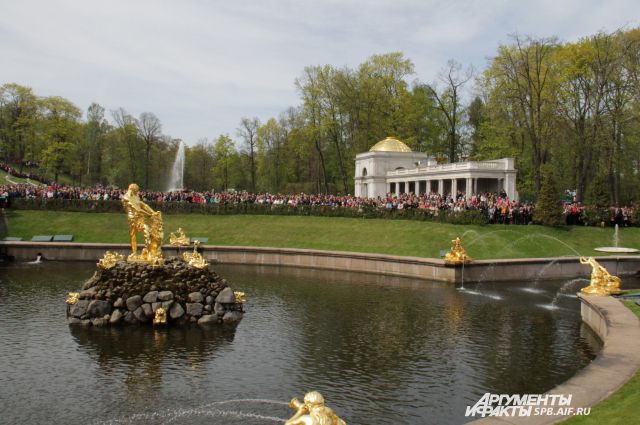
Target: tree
{"points": [[224, 150], [150, 130], [548, 210], [449, 103], [522, 80], [127, 136], [199, 161], [248, 130], [60, 130], [18, 118], [96, 130]]}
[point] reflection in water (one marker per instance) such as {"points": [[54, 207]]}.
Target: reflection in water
{"points": [[142, 351], [382, 350]]}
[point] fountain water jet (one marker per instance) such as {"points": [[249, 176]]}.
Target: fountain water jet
{"points": [[615, 247], [176, 181]]}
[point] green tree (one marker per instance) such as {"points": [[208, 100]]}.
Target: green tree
{"points": [[224, 155], [18, 119], [548, 210]]}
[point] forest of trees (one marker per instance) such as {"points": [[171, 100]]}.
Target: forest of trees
{"points": [[571, 108]]}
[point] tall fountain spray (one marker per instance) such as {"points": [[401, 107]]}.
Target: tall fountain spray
{"points": [[176, 181]]}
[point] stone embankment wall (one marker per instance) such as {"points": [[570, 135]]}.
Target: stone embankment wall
{"points": [[524, 269]]}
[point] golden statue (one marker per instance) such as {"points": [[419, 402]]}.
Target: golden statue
{"points": [[240, 298], [457, 255], [602, 283], [161, 317], [110, 259], [313, 411], [178, 238], [194, 258], [72, 298], [143, 219]]}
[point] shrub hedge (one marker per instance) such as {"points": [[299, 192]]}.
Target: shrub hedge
{"points": [[77, 205]]}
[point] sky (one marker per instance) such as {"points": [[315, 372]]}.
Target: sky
{"points": [[200, 66]]}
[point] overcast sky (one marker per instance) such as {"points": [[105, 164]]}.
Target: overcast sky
{"points": [[202, 65]]}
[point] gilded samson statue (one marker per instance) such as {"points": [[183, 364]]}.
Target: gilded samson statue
{"points": [[602, 283], [143, 219], [313, 411]]}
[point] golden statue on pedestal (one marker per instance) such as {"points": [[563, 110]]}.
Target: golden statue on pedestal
{"points": [[194, 258], [602, 283], [73, 297], [313, 411], [457, 254], [110, 259], [178, 238], [143, 219], [161, 317]]}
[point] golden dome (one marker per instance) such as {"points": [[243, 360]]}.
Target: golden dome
{"points": [[390, 144]]}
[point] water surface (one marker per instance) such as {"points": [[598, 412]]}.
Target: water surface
{"points": [[382, 350]]}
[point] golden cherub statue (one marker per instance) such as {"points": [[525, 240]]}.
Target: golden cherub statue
{"points": [[161, 317], [73, 297], [457, 254], [240, 297], [143, 219], [602, 283], [313, 411], [110, 259], [178, 238]]}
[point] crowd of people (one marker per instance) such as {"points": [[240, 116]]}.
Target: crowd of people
{"points": [[499, 209], [11, 171]]}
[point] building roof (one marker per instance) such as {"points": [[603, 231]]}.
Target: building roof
{"points": [[390, 144]]}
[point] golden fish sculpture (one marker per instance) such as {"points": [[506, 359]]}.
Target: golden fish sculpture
{"points": [[194, 258], [602, 282]]}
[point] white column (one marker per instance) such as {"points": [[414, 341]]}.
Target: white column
{"points": [[428, 186], [454, 188], [510, 186], [441, 187], [469, 187]]}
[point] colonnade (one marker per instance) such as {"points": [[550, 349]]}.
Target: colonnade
{"points": [[444, 186]]}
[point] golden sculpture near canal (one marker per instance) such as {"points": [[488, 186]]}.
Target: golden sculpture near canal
{"points": [[73, 297], [602, 283], [194, 258], [110, 259], [313, 411], [457, 255], [240, 297], [161, 317], [178, 238], [143, 219]]}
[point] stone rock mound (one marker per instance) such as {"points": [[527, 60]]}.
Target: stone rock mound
{"points": [[130, 293]]}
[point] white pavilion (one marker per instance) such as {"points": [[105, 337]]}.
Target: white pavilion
{"points": [[391, 166]]}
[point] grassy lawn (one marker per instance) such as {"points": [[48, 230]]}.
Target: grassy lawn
{"points": [[397, 237], [623, 407], [11, 179]]}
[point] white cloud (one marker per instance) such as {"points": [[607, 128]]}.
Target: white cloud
{"points": [[202, 65]]}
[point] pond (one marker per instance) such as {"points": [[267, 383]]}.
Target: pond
{"points": [[382, 350]]}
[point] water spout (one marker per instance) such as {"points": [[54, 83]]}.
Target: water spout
{"points": [[616, 239], [176, 181]]}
